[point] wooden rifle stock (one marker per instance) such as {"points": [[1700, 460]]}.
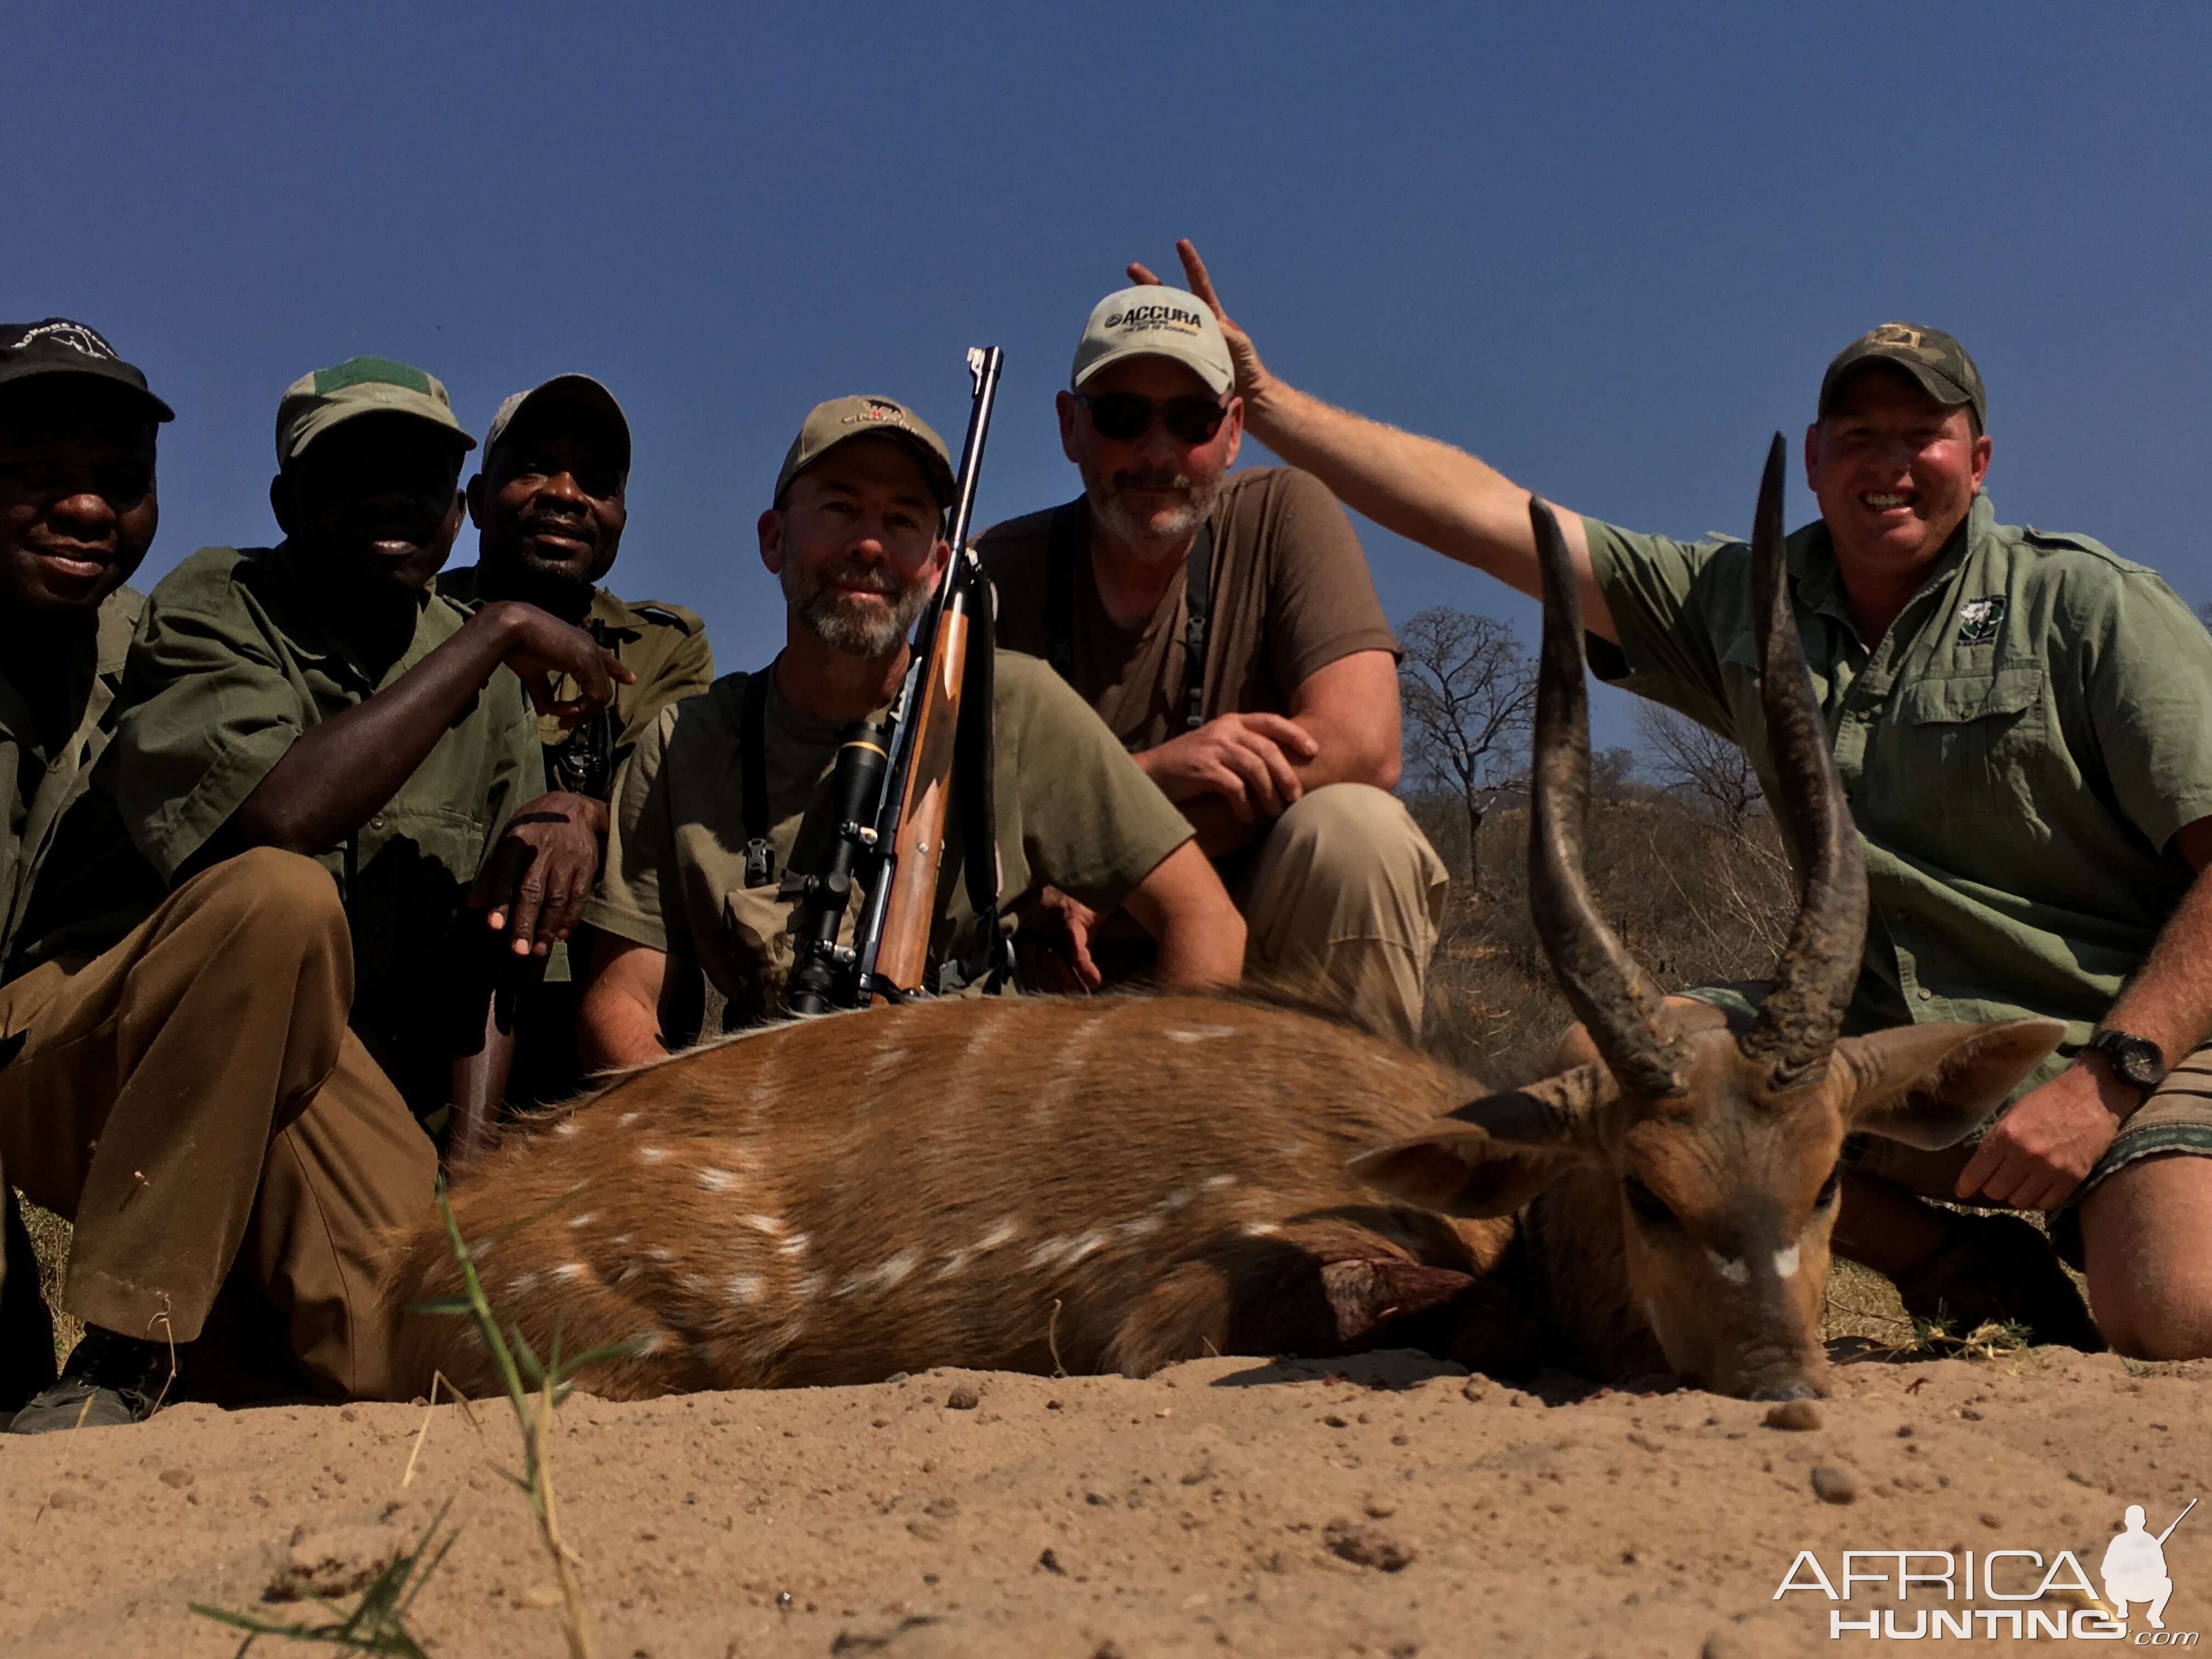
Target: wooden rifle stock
{"points": [[918, 848]]}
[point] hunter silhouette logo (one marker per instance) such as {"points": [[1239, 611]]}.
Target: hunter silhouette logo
{"points": [[1924, 1595], [2134, 1568], [76, 336]]}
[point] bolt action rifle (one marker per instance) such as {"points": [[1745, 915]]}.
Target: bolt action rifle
{"points": [[892, 788]]}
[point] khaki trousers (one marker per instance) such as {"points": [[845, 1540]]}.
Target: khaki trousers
{"points": [[192, 1101], [1341, 906]]}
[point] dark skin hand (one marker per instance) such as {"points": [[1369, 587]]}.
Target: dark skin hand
{"points": [[77, 513], [373, 509]]}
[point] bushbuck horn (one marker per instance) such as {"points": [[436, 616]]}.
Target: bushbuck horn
{"points": [[1623, 1008], [1804, 1011]]}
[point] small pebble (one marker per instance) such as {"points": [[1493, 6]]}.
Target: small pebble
{"points": [[1835, 1485], [1798, 1416], [540, 1595], [962, 1399], [178, 1478], [1366, 1547], [1379, 1506]]}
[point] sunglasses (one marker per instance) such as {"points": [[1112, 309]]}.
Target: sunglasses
{"points": [[1121, 415]]}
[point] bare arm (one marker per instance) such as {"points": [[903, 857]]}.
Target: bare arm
{"points": [[1184, 907], [2041, 1149], [619, 1024], [338, 773], [1427, 491]]}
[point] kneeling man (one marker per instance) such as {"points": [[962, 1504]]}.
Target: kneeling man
{"points": [[856, 539]]}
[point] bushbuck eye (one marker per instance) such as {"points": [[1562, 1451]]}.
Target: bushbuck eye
{"points": [[1650, 1209], [1829, 1189]]}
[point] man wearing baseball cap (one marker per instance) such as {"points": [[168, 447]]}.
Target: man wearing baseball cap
{"points": [[77, 513], [550, 511], [313, 759], [2023, 724], [1227, 631], [855, 537]]}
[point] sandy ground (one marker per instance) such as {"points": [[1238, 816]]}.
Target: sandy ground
{"points": [[1393, 1507]]}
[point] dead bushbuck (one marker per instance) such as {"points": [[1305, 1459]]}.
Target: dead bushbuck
{"points": [[1116, 1184]]}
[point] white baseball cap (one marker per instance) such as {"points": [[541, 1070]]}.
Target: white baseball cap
{"points": [[1154, 322]]}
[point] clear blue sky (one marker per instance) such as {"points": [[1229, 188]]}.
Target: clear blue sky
{"points": [[1608, 248]]}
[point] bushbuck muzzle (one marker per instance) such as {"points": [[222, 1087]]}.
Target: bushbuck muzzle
{"points": [[1676, 1192]]}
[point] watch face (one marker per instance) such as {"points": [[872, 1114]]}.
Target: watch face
{"points": [[2138, 1061]]}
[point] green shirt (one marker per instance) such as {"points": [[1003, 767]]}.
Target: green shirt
{"points": [[664, 644], [1074, 812], [2017, 750], [40, 781], [233, 659]]}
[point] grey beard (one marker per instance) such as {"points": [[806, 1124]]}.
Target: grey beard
{"points": [[855, 633], [1161, 536]]}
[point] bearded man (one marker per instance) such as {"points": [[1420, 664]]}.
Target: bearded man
{"points": [[855, 537], [1227, 631]]}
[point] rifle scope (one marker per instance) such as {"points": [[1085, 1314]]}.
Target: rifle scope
{"points": [[820, 971]]}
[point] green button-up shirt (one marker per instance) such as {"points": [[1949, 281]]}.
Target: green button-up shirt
{"points": [[2017, 750], [39, 780], [233, 659]]}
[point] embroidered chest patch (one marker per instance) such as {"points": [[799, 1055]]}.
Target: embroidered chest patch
{"points": [[1979, 619]]}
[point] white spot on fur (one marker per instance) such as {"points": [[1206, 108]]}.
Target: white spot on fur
{"points": [[1082, 1245], [794, 1247], [648, 1345], [1260, 1230], [1220, 1180], [1045, 1254], [695, 1284], [716, 1180], [583, 1220], [1198, 1033], [955, 1263], [661, 1252], [772, 1225], [1005, 1232], [1786, 1263], [744, 1289], [1732, 1269], [893, 1271], [522, 1284], [810, 1287], [568, 1272], [1386, 1062], [630, 1270], [1142, 1227], [566, 1126], [625, 1119], [622, 1241], [651, 1155]]}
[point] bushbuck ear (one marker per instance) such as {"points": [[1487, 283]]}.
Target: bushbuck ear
{"points": [[1493, 1155], [1927, 1085]]}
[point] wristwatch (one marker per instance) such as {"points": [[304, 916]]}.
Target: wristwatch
{"points": [[2136, 1061]]}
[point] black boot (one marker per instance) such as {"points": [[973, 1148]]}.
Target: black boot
{"points": [[1998, 1268], [110, 1379], [26, 1328]]}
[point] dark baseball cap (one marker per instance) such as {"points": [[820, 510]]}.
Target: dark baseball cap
{"points": [[1938, 364], [843, 419], [58, 346]]}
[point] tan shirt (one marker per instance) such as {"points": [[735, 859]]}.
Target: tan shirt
{"points": [[1290, 593], [38, 783], [1074, 812]]}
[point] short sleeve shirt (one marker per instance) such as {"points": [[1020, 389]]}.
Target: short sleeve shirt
{"points": [[1073, 812], [664, 644], [39, 780], [233, 659], [2018, 750], [1290, 593]]}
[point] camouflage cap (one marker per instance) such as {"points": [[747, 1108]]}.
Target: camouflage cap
{"points": [[315, 403], [581, 391], [1154, 322], [1938, 364], [842, 419], [58, 346]]}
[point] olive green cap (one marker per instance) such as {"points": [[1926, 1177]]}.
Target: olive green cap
{"points": [[315, 403], [581, 391], [842, 419], [1938, 364]]}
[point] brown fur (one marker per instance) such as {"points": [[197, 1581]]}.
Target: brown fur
{"points": [[832, 1201]]}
